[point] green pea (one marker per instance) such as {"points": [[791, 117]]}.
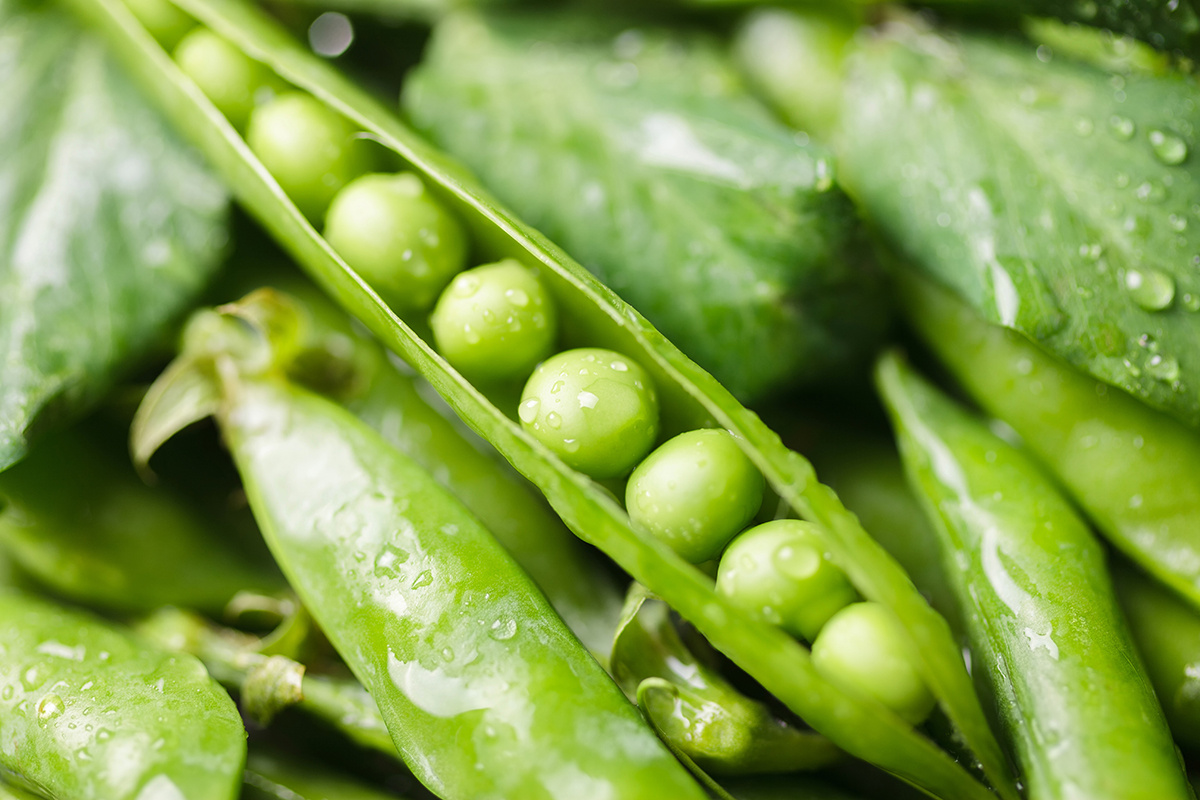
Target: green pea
{"points": [[695, 493], [308, 148], [863, 649], [496, 321], [595, 409], [165, 21], [779, 570], [233, 81], [398, 237]]}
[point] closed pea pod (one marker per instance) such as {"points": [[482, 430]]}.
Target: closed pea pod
{"points": [[81, 696], [485, 692], [1075, 703], [695, 492], [1080, 429]]}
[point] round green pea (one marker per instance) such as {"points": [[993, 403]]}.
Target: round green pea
{"points": [[864, 649], [779, 571], [596, 409], [398, 237], [308, 147], [165, 21], [494, 322], [695, 493], [228, 77]]}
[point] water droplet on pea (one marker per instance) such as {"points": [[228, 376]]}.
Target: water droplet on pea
{"points": [[1168, 148], [1191, 301], [471, 335], [423, 580], [571, 445], [1150, 289], [619, 366], [7, 692], [1177, 222], [448, 653], [557, 387], [32, 679], [465, 285], [554, 420], [389, 560], [1147, 341], [528, 410], [517, 297], [1122, 127], [1151, 192], [50, 707]]}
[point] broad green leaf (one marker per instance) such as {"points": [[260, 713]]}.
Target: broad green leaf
{"points": [[1054, 198], [641, 153], [108, 226]]}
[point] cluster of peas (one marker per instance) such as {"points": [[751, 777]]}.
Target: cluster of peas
{"points": [[594, 408]]}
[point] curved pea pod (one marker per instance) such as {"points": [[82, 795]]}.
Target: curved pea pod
{"points": [[485, 692], [1167, 633], [389, 401], [689, 398], [10, 792], [110, 540], [696, 710], [1039, 609], [1134, 471], [79, 696]]}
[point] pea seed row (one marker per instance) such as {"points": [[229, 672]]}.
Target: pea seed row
{"points": [[596, 409]]}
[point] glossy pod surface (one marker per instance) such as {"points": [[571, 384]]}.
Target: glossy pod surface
{"points": [[485, 692], [1134, 471], [91, 712], [1038, 605]]}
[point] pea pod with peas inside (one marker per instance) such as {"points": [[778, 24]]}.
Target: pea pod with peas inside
{"points": [[485, 692], [81, 696], [688, 398], [1038, 605]]}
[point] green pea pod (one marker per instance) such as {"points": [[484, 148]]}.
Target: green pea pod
{"points": [[485, 692], [111, 541], [389, 401], [273, 777], [1167, 633], [696, 710], [689, 398], [1081, 430], [1040, 613], [234, 658], [10, 792], [80, 697]]}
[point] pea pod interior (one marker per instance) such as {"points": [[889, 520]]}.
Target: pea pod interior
{"points": [[690, 398]]}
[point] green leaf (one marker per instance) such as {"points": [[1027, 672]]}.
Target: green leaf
{"points": [[1054, 198], [108, 226], [641, 153]]}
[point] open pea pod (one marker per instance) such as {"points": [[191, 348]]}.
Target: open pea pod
{"points": [[111, 541], [689, 398], [695, 709], [80, 696], [1038, 606], [484, 690], [1134, 470]]}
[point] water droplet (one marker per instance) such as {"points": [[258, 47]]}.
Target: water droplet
{"points": [[1091, 252], [554, 420], [528, 410], [1178, 223], [1150, 289], [448, 654], [103, 735], [503, 629], [1191, 301], [571, 445], [7, 692], [423, 580], [465, 285], [1147, 341], [50, 707], [1168, 148], [1044, 54], [389, 560], [587, 399], [32, 679], [1122, 127], [517, 297], [471, 335], [619, 366], [1084, 126], [1121, 180], [797, 560], [488, 315], [557, 387], [1164, 369]]}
